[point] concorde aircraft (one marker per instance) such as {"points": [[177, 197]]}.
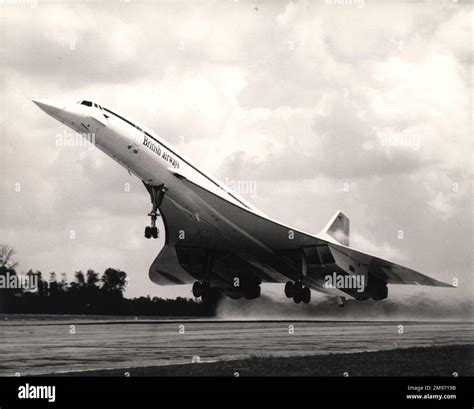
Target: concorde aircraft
{"points": [[217, 240]]}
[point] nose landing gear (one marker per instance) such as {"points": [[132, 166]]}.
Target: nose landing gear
{"points": [[157, 193]]}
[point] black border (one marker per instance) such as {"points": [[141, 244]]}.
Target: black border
{"points": [[235, 392]]}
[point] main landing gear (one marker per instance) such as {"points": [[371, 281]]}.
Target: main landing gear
{"points": [[200, 288], [297, 292], [209, 296], [157, 193]]}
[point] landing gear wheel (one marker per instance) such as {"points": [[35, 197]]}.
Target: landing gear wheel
{"points": [[305, 295], [297, 292], [151, 231], [253, 293], [289, 289], [201, 289], [197, 289]]}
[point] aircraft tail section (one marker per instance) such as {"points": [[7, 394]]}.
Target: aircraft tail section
{"points": [[338, 228]]}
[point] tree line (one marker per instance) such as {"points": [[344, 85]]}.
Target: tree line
{"points": [[87, 293]]}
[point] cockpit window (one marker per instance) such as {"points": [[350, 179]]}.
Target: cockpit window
{"points": [[86, 103]]}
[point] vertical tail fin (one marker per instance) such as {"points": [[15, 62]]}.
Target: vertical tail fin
{"points": [[338, 228]]}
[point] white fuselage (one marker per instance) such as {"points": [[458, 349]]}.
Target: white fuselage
{"points": [[146, 155], [141, 151]]}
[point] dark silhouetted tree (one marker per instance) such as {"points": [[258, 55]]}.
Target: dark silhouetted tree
{"points": [[92, 278], [6, 257], [114, 282], [79, 281], [80, 278], [53, 284], [87, 294]]}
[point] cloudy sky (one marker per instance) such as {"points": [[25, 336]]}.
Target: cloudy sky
{"points": [[351, 105]]}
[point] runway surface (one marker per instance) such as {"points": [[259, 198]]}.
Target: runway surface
{"points": [[31, 346]]}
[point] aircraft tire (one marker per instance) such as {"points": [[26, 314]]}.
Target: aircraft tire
{"points": [[306, 295], [289, 289], [253, 292], [197, 289]]}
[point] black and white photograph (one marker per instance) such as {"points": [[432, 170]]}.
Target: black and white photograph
{"points": [[203, 200]]}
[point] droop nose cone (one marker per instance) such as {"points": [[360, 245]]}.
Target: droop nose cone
{"points": [[49, 106]]}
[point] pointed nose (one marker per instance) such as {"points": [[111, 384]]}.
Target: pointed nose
{"points": [[49, 106]]}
